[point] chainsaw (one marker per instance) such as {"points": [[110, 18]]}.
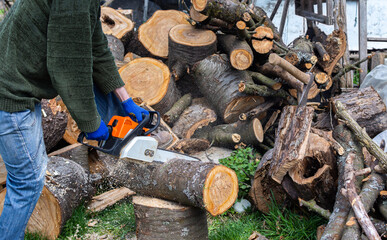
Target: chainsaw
{"points": [[131, 140]]}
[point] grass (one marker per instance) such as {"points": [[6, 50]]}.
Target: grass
{"points": [[118, 222]]}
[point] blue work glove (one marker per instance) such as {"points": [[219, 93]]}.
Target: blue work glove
{"points": [[102, 133], [134, 112]]}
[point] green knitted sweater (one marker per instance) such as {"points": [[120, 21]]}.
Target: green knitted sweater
{"points": [[51, 47]]}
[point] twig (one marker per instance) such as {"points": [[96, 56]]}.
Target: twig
{"points": [[351, 67], [312, 205]]}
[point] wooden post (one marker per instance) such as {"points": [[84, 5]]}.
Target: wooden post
{"points": [[377, 59], [340, 22], [275, 9], [284, 15], [363, 37]]}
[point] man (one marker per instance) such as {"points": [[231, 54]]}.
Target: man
{"points": [[50, 47]]}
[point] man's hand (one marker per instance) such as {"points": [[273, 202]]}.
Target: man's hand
{"points": [[102, 133], [134, 112]]}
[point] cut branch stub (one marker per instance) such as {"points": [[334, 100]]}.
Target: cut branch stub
{"points": [[150, 80], [187, 46], [116, 24], [240, 53], [262, 40], [153, 34], [277, 60]]}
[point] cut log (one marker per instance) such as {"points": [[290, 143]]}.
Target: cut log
{"points": [[104, 200], [264, 189], [54, 122], [301, 52], [257, 111], [262, 79], [75, 152], [218, 82], [150, 80], [66, 187], [240, 53], [291, 140], [116, 48], [204, 185], [160, 219], [262, 40], [367, 108], [198, 115], [186, 46], [277, 60], [218, 137], [116, 24], [197, 16], [319, 48], [153, 34], [173, 114]]}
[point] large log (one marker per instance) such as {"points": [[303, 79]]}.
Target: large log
{"points": [[186, 46], [160, 219], [218, 82], [150, 80], [367, 108], [66, 187], [291, 140], [205, 185], [153, 34]]}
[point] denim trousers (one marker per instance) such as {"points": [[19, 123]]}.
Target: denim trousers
{"points": [[24, 154]]}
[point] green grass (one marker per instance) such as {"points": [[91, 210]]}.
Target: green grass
{"points": [[118, 222]]}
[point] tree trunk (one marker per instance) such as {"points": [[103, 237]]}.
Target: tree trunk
{"points": [[153, 34], [54, 122], [160, 219], [150, 80], [291, 140], [66, 187], [240, 53], [187, 46], [367, 108], [218, 82], [198, 115], [204, 185]]}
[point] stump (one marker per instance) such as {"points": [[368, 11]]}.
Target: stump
{"points": [[198, 115], [160, 219], [66, 187], [205, 185], [150, 80], [186, 46], [219, 83], [153, 34]]}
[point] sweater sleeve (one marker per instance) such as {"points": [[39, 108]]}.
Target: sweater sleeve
{"points": [[70, 60], [105, 73]]}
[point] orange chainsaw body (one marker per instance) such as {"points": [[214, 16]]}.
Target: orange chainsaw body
{"points": [[121, 126]]}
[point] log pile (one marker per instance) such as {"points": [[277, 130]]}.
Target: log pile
{"points": [[222, 76]]}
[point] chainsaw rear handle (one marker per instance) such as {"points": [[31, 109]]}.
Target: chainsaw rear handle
{"points": [[114, 145]]}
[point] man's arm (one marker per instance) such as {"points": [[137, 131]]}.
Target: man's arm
{"points": [[121, 94]]}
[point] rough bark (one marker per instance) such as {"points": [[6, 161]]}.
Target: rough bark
{"points": [[257, 111], [204, 185], [198, 115], [173, 114], [66, 187], [218, 82], [191, 146], [367, 108], [160, 219]]}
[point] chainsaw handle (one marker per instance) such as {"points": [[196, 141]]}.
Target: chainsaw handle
{"points": [[150, 125]]}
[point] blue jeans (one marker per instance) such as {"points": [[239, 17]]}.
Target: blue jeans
{"points": [[24, 154]]}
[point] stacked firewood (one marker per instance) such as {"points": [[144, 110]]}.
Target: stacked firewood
{"points": [[222, 76]]}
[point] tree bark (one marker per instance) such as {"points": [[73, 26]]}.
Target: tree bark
{"points": [[218, 82], [173, 114], [186, 46], [160, 219], [204, 185], [277, 71]]}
